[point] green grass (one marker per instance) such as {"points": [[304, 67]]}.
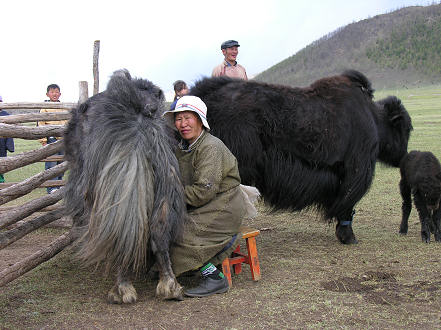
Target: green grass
{"points": [[25, 172], [309, 280]]}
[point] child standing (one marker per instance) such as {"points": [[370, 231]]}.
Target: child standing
{"points": [[53, 93]]}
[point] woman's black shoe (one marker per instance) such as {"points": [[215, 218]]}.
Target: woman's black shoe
{"points": [[208, 287]]}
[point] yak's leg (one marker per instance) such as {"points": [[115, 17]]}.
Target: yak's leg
{"points": [[406, 207], [168, 287], [123, 292], [356, 179], [343, 230], [436, 217], [424, 215]]}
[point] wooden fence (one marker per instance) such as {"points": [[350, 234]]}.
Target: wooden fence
{"points": [[14, 220]]}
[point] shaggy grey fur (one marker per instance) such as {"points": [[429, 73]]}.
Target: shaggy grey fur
{"points": [[124, 190]]}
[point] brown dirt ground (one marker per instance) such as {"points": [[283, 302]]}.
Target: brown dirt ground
{"points": [[309, 280]]}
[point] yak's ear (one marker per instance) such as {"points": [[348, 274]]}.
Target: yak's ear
{"points": [[160, 94], [123, 73], [393, 109]]}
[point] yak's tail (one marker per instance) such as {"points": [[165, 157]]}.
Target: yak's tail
{"points": [[132, 175], [361, 80]]}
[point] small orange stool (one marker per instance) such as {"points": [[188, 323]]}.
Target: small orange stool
{"points": [[237, 258]]}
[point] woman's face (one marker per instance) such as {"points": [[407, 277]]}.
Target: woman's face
{"points": [[189, 125]]}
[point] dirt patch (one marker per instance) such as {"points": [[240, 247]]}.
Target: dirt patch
{"points": [[27, 246], [309, 280], [382, 288]]}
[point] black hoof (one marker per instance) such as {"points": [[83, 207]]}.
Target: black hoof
{"points": [[345, 235]]}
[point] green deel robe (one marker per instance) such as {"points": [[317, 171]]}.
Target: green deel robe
{"points": [[215, 204]]}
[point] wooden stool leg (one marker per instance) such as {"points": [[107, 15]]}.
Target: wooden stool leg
{"points": [[253, 258], [227, 271], [237, 267]]}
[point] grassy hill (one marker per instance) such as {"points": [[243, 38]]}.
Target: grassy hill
{"points": [[401, 49]]}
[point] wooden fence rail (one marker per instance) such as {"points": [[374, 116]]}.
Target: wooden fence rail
{"points": [[30, 117], [26, 158], [12, 126], [17, 216], [22, 267], [40, 105]]}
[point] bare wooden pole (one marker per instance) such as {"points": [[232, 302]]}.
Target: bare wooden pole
{"points": [[45, 184], [96, 52], [26, 186], [22, 211], [30, 117], [39, 105], [10, 236], [25, 158], [84, 91], [22, 267], [30, 133]]}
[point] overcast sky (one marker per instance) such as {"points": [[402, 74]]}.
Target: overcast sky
{"points": [[45, 42]]}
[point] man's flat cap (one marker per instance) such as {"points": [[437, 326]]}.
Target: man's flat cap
{"points": [[229, 43]]}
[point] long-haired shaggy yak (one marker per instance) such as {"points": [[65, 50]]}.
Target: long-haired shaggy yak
{"points": [[124, 191], [421, 177], [308, 147]]}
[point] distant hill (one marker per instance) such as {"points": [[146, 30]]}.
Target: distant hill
{"points": [[396, 50]]}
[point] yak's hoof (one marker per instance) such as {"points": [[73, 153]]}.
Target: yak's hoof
{"points": [[403, 231], [168, 288], [351, 240], [124, 293], [345, 235]]}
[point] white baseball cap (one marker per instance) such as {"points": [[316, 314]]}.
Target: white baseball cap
{"points": [[189, 103]]}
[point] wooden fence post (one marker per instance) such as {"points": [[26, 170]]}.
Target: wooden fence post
{"points": [[96, 78], [84, 91]]}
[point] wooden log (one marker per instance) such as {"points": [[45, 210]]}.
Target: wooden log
{"points": [[6, 209], [84, 91], [22, 211], [55, 158], [31, 117], [96, 75], [39, 105], [26, 186], [29, 263], [10, 236], [12, 162], [48, 183], [30, 133]]}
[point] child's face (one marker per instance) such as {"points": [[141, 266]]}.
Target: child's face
{"points": [[53, 94]]}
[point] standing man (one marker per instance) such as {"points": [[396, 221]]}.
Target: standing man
{"points": [[6, 144], [229, 67]]}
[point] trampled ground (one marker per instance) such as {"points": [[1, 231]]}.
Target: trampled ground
{"points": [[309, 280]]}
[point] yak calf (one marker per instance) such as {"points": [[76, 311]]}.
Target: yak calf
{"points": [[421, 177]]}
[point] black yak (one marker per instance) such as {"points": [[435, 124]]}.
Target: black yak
{"points": [[124, 192], [421, 177], [308, 147]]}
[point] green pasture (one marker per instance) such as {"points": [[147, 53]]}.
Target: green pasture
{"points": [[25, 172], [309, 280]]}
